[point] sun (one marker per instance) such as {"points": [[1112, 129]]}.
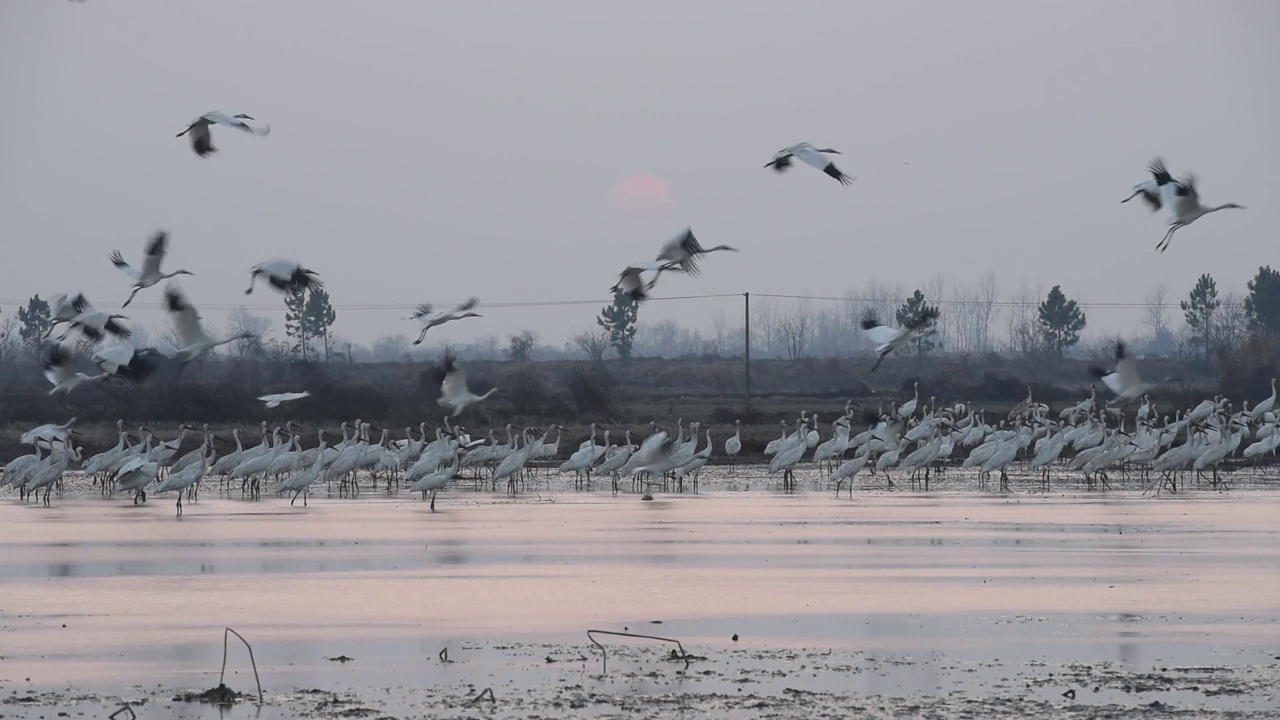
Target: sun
{"points": [[640, 193]]}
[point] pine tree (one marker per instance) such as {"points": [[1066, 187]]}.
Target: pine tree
{"points": [[1262, 306], [910, 313], [36, 320], [619, 320], [1061, 321], [1199, 310], [317, 317], [295, 327]]}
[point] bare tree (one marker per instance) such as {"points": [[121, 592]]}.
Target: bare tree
{"points": [[1230, 324], [241, 321], [796, 328], [486, 347], [1156, 319], [988, 296], [765, 325], [390, 348], [1025, 338], [593, 343], [719, 332], [963, 317], [10, 341], [935, 289]]}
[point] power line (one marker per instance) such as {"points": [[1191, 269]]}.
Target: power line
{"points": [[993, 303], [407, 307]]}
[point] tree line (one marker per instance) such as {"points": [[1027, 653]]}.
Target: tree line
{"points": [[974, 320]]}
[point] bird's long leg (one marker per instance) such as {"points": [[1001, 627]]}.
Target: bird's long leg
{"points": [[253, 277], [179, 503], [421, 336], [1164, 242], [880, 360], [433, 501], [130, 299], [294, 498]]}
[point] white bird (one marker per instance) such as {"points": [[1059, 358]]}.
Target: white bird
{"points": [[96, 325], [1152, 191], [185, 478], [733, 445], [150, 273], [202, 138], [682, 252], [1123, 380], [274, 401], [431, 318], [1265, 406], [65, 308], [436, 481], [123, 360], [48, 434], [192, 338], [57, 369], [285, 276], [807, 153], [631, 280], [301, 483], [888, 339], [135, 475], [1184, 202], [454, 392]]}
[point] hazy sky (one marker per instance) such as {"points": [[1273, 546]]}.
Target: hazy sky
{"points": [[426, 150]]}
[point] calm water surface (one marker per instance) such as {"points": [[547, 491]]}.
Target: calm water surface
{"points": [[95, 592]]}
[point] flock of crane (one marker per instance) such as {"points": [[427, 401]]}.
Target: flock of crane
{"points": [[428, 466], [911, 439]]}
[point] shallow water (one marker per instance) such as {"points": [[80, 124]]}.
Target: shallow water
{"points": [[891, 595]]}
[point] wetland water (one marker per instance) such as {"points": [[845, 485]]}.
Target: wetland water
{"points": [[893, 603]]}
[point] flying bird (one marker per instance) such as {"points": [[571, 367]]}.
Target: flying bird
{"points": [[809, 154], [97, 325], [202, 137], [56, 363], [631, 281], [150, 273], [1152, 191], [1184, 201], [285, 276], [1123, 380], [66, 308], [193, 340], [682, 251], [274, 401], [431, 318], [888, 339], [454, 392], [123, 360]]}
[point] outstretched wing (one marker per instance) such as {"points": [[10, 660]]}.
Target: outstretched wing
{"points": [[155, 251], [683, 250], [113, 357], [186, 320], [421, 311], [118, 260], [454, 384], [470, 304]]}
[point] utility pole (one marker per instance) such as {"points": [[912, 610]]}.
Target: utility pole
{"points": [[746, 342]]}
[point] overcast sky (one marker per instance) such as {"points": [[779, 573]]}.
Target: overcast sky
{"points": [[424, 150]]}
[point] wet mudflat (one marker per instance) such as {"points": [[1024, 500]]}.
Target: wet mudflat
{"points": [[889, 605]]}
